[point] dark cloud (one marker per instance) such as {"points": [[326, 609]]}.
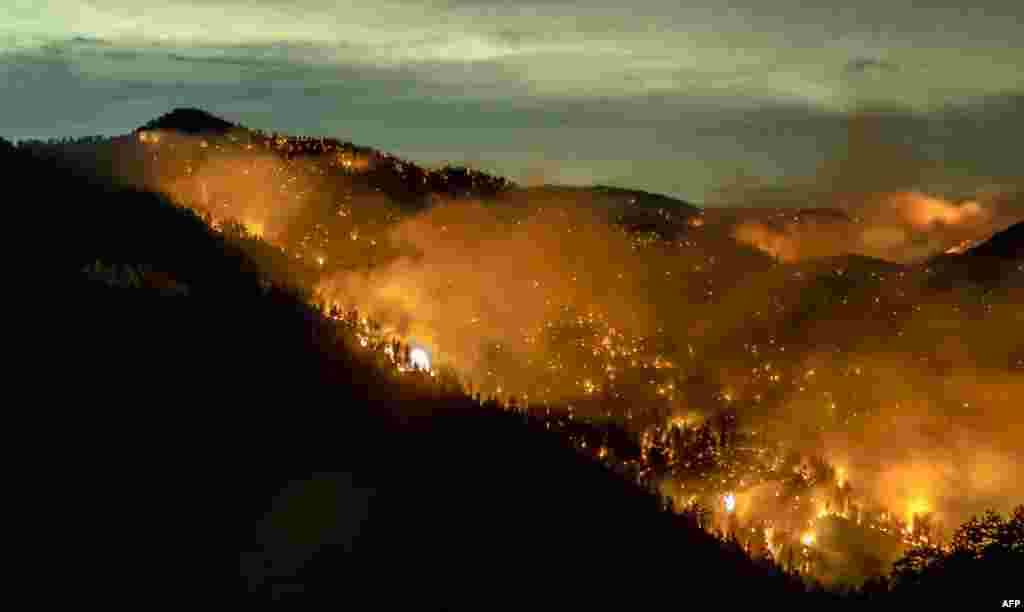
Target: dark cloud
{"points": [[90, 40], [665, 142], [228, 60], [868, 65], [122, 54]]}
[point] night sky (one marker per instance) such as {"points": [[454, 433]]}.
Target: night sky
{"points": [[663, 97]]}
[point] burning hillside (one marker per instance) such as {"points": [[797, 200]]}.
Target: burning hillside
{"points": [[796, 370]]}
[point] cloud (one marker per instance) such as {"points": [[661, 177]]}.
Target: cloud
{"points": [[227, 60], [91, 40], [679, 142], [869, 66]]}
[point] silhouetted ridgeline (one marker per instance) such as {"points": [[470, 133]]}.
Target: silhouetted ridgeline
{"points": [[190, 121], [999, 261], [1007, 244]]}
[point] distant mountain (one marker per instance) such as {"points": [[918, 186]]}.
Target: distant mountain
{"points": [[190, 121], [778, 217], [621, 197], [823, 214], [1007, 244], [646, 200], [997, 261], [853, 263]]}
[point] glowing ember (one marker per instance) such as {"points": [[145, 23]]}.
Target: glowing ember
{"points": [[253, 228], [419, 358], [730, 502]]}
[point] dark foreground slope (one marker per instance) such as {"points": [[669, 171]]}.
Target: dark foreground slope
{"points": [[206, 420]]}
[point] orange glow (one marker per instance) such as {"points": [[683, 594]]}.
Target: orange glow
{"points": [[730, 502], [917, 506], [254, 227], [922, 210], [419, 358]]}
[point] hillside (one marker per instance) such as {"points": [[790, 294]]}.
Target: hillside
{"points": [[190, 121], [223, 394], [235, 396], [1007, 244], [996, 263]]}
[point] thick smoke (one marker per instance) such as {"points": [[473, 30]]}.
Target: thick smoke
{"points": [[882, 186], [484, 276]]}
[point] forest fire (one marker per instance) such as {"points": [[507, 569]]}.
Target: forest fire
{"points": [[734, 374], [478, 305]]}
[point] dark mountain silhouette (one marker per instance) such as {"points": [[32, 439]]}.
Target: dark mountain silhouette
{"points": [[864, 265], [1007, 244], [190, 121], [999, 261], [830, 214], [646, 200]]}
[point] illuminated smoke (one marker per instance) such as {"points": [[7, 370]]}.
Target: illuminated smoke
{"points": [[923, 211], [877, 184], [900, 227]]}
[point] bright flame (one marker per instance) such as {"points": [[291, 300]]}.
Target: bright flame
{"points": [[730, 502], [960, 247], [917, 506], [808, 538], [419, 358], [769, 538], [255, 228]]}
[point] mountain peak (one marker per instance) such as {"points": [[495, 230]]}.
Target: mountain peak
{"points": [[190, 121]]}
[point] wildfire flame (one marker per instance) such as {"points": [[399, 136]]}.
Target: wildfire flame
{"points": [[419, 358], [730, 502], [917, 507]]}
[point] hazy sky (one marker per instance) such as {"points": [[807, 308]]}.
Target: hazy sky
{"points": [[668, 96]]}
